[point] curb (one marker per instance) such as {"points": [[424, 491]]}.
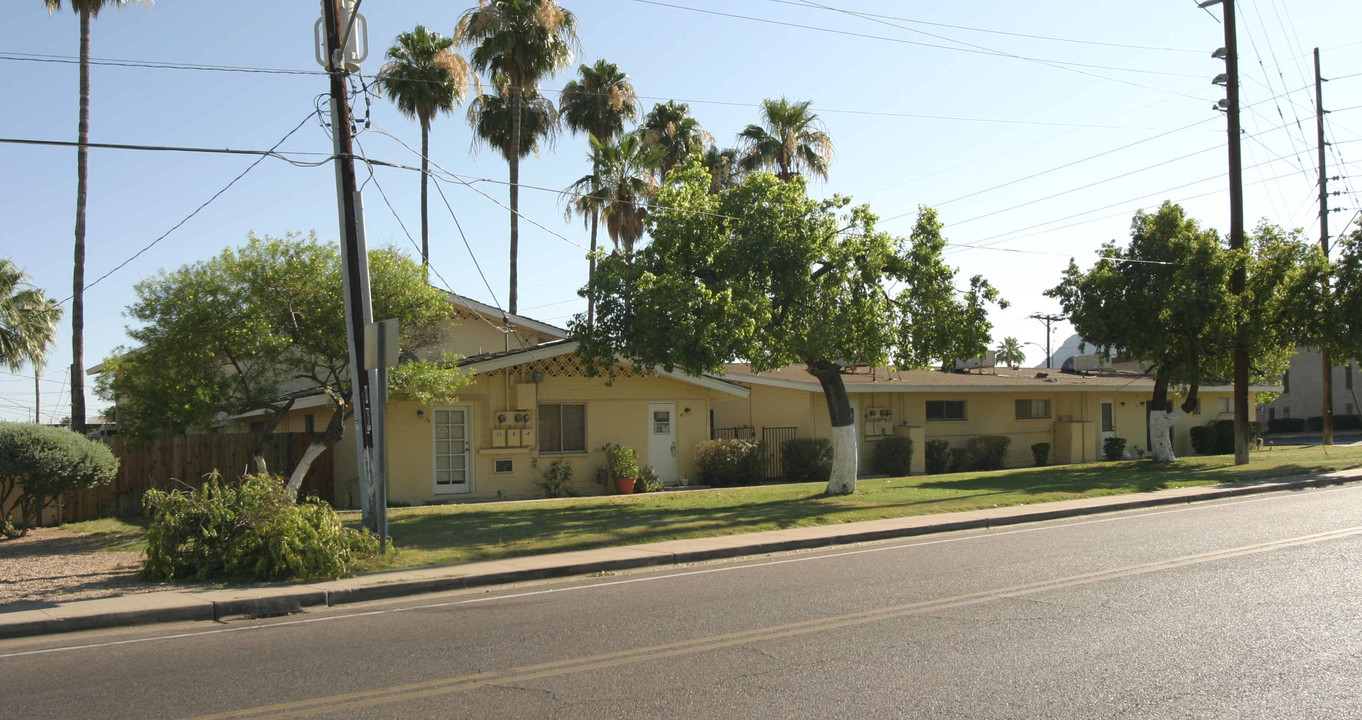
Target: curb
{"points": [[270, 601]]}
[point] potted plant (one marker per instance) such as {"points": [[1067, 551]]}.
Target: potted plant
{"points": [[622, 464]]}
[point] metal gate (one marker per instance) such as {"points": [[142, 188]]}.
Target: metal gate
{"points": [[771, 440], [740, 432]]}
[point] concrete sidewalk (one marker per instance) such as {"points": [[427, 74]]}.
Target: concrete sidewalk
{"points": [[268, 600]]}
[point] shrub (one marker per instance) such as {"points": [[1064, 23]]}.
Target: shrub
{"points": [[1224, 435], [937, 456], [729, 462], [38, 464], [988, 452], [647, 480], [893, 456], [1040, 452], [961, 460], [806, 459], [1114, 448], [247, 530], [555, 482], [620, 461], [1283, 425], [1348, 422], [1203, 438]]}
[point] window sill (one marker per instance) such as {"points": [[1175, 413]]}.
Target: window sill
{"points": [[504, 451]]}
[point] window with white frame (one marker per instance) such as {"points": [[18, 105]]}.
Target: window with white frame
{"points": [[562, 427], [1033, 409]]}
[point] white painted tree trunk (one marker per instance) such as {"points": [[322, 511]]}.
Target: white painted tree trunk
{"points": [[1160, 444], [843, 480], [295, 481]]}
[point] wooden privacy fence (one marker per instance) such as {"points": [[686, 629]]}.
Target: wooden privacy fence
{"points": [[179, 460]]}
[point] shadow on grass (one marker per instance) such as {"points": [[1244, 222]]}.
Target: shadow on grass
{"points": [[1131, 476]]}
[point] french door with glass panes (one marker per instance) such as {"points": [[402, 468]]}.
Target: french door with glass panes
{"points": [[453, 429]]}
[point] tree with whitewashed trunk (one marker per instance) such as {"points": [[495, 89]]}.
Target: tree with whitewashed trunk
{"points": [[764, 274], [257, 327], [1165, 300]]}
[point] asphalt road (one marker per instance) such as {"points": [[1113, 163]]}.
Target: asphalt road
{"points": [[1238, 609]]}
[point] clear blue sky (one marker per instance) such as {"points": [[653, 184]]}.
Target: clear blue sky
{"points": [[1018, 150]]}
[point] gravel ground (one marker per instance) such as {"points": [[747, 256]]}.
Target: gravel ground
{"points": [[53, 565]]}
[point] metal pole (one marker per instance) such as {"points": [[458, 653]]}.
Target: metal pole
{"points": [[1327, 369], [354, 255], [37, 400], [1239, 278]]}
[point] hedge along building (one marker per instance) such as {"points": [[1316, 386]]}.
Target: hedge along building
{"points": [[529, 403], [1072, 411]]}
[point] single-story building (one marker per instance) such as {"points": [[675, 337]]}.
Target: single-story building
{"points": [[1073, 411]]}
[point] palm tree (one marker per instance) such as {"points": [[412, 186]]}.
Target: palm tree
{"points": [[621, 187], [491, 115], [28, 320], [725, 170], [424, 77], [790, 141], [519, 41], [87, 10], [670, 127], [1010, 353], [597, 103]]}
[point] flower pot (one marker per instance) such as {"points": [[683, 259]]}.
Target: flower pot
{"points": [[624, 486]]}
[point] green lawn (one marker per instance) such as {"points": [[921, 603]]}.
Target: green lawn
{"points": [[460, 533]]}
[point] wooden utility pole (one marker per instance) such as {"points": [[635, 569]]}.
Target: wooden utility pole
{"points": [[355, 262], [1048, 320], [1327, 371], [1240, 276]]}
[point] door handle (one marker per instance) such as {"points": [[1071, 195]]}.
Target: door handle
{"points": [[673, 449]]}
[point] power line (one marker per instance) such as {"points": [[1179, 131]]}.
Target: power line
{"points": [[1071, 67], [171, 148], [154, 64], [197, 210], [1010, 34]]}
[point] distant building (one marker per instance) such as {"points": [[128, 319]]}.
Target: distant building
{"points": [[1302, 393]]}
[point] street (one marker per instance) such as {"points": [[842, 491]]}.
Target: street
{"points": [[1246, 608]]}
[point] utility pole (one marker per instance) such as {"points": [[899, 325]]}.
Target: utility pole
{"points": [[1327, 373], [355, 259], [37, 399], [1240, 276], [1047, 319]]}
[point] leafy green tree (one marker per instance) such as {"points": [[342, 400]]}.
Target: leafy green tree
{"points": [[1010, 352], [255, 328], [28, 320], [87, 10], [424, 77], [765, 274], [597, 103], [670, 127], [1336, 325], [39, 464], [789, 141], [517, 43], [1165, 299]]}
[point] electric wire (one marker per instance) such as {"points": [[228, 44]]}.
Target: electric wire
{"points": [[197, 210]]}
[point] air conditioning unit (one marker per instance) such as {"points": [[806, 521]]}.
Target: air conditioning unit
{"points": [[987, 360], [1088, 363]]}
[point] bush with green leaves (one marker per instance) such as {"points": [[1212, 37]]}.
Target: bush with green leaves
{"points": [[1114, 448], [39, 464], [988, 452], [961, 460], [729, 462], [1285, 425], [937, 457], [1040, 452], [247, 530], [806, 460], [1224, 435], [556, 482], [893, 455], [647, 480], [1203, 438]]}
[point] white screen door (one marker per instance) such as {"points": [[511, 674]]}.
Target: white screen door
{"points": [[453, 444], [662, 441]]}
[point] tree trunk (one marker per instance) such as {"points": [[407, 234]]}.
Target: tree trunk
{"points": [[425, 175], [1160, 444], [78, 276], [332, 435], [513, 159], [844, 445], [591, 275]]}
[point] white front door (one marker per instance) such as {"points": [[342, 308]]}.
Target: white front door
{"points": [[453, 428], [1108, 427], [662, 441]]}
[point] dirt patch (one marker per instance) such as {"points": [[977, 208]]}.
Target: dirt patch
{"points": [[55, 565]]}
